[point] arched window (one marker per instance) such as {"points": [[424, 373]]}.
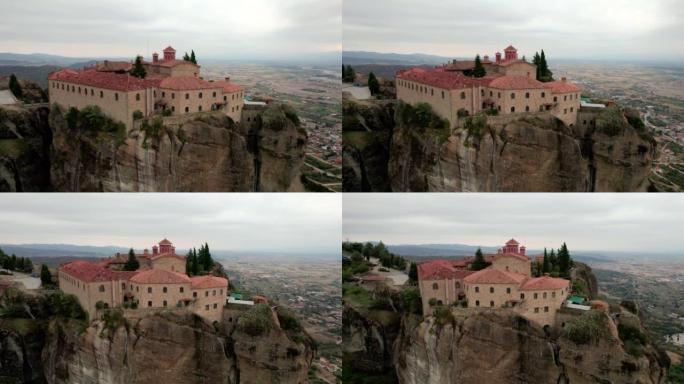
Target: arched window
{"points": [[187, 96], [102, 288], [116, 96], [512, 95], [149, 289], [164, 289], [137, 97], [165, 303], [463, 96], [187, 109], [457, 285], [477, 303], [181, 289], [491, 303], [477, 289], [527, 108], [435, 286], [527, 95], [491, 289], [200, 95], [512, 109]]}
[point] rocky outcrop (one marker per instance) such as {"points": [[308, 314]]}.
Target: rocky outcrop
{"points": [[205, 153], [368, 344], [582, 272], [507, 153], [502, 347], [172, 347]]}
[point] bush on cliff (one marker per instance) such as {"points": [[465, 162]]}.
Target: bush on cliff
{"points": [[288, 320], [423, 117], [589, 327], [91, 120], [275, 118], [257, 321], [611, 122]]}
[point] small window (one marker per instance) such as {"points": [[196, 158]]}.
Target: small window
{"points": [[458, 285], [137, 97], [206, 293], [498, 95], [213, 293], [536, 310], [149, 303], [173, 109], [173, 95], [435, 286], [149, 289], [477, 289], [200, 95], [214, 94], [101, 94], [154, 93], [527, 108], [92, 93], [555, 99], [543, 94], [215, 306], [536, 295], [491, 303], [137, 289], [79, 89], [491, 289], [164, 303], [206, 307], [527, 95], [544, 295], [463, 96], [512, 95], [546, 309], [565, 110], [491, 93], [508, 290], [187, 96], [181, 289], [187, 109], [164, 290], [482, 92], [432, 91], [225, 98], [572, 109], [194, 294], [522, 296], [553, 295], [116, 96], [102, 288], [477, 303], [565, 97], [221, 291], [123, 285], [512, 109]]}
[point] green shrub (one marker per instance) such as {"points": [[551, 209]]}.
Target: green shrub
{"points": [[288, 320], [589, 327], [100, 305], [66, 306], [611, 122], [443, 315], [167, 112], [257, 321], [432, 302], [475, 126], [462, 112], [137, 115], [113, 319], [412, 302]]}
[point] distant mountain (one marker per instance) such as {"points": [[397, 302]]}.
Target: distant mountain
{"points": [[8, 58], [437, 250], [61, 250], [34, 73], [364, 57]]}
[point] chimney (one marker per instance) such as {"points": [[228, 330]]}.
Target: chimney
{"points": [[498, 57], [486, 58], [155, 249], [522, 250], [227, 78], [563, 79], [155, 57]]}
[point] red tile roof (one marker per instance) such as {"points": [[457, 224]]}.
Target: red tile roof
{"points": [[560, 86], [91, 272], [505, 63], [114, 66], [494, 276], [165, 242], [228, 86], [510, 48], [544, 282], [170, 63], [515, 82], [512, 242], [185, 83], [159, 276], [439, 78], [105, 80], [513, 255], [208, 281], [169, 49], [167, 254], [440, 270]]}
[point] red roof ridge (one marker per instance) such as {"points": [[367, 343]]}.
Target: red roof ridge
{"points": [[544, 282], [208, 281], [159, 276], [495, 276]]}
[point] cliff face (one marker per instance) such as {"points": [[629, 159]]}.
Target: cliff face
{"points": [[512, 154], [501, 347], [368, 344], [207, 153], [163, 348]]}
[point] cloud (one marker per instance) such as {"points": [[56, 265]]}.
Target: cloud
{"points": [[306, 223], [612, 222], [568, 29], [214, 28]]}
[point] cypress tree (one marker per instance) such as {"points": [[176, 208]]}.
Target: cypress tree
{"points": [[564, 261], [138, 68], [192, 57], [188, 263], [15, 87], [186, 57], [45, 276], [132, 264], [545, 263], [373, 84], [208, 261], [545, 74], [479, 70], [195, 264], [479, 262]]}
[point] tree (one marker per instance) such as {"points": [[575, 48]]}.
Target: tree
{"points": [[192, 57], [479, 262], [545, 263], [15, 87], [138, 68], [132, 264], [413, 272], [368, 250], [545, 74], [553, 261], [349, 75], [196, 264], [479, 70], [45, 276], [563, 261], [344, 72], [186, 57], [373, 84], [536, 60]]}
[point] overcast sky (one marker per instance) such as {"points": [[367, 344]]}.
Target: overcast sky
{"points": [[563, 28], [606, 222], [213, 28], [290, 223]]}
